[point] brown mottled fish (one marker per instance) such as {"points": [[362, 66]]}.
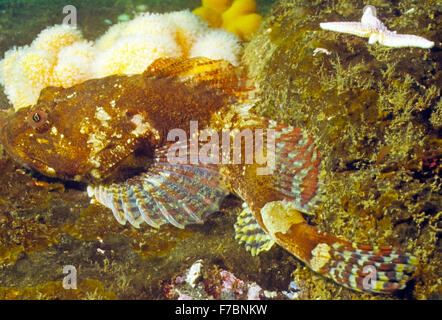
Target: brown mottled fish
{"points": [[114, 133]]}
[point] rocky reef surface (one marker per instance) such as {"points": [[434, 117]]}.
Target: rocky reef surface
{"points": [[375, 113]]}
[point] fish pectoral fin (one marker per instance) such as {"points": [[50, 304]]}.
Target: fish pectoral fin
{"points": [[214, 74], [248, 231], [178, 194]]}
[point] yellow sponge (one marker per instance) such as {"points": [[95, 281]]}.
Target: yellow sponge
{"points": [[237, 16], [218, 5], [238, 8], [245, 26], [209, 15]]}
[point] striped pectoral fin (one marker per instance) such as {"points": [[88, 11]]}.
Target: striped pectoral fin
{"points": [[178, 194], [249, 232]]}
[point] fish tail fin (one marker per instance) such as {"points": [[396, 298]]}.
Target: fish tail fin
{"points": [[215, 74]]}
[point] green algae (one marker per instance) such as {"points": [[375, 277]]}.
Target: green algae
{"points": [[375, 115]]}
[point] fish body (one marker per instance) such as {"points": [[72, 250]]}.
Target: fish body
{"points": [[119, 135], [88, 130]]}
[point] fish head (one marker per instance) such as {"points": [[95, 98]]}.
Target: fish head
{"points": [[75, 134]]}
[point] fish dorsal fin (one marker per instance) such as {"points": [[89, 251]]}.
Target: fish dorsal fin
{"points": [[215, 74], [248, 231]]}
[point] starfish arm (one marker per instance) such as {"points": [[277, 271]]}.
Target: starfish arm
{"points": [[370, 20], [374, 37], [354, 28], [371, 27], [391, 39]]}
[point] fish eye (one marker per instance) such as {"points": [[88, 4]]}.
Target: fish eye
{"points": [[37, 119]]}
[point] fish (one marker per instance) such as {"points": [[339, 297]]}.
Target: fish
{"points": [[168, 145]]}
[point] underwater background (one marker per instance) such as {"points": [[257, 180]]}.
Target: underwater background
{"points": [[375, 113]]}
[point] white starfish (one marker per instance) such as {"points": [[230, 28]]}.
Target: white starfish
{"points": [[372, 28]]}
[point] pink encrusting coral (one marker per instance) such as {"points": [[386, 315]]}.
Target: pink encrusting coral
{"points": [[210, 282], [60, 56]]}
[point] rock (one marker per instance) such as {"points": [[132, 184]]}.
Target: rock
{"points": [[373, 112]]}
